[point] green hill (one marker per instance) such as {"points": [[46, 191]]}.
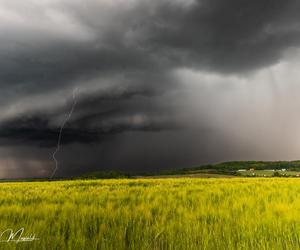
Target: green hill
{"points": [[224, 168], [231, 168]]}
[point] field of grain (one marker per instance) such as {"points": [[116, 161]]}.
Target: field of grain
{"points": [[184, 213]]}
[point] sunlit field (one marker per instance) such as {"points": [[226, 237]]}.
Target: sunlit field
{"points": [[182, 213]]}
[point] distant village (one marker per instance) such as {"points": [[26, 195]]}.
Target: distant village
{"points": [[268, 172]]}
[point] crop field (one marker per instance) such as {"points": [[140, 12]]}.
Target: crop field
{"points": [[181, 213]]}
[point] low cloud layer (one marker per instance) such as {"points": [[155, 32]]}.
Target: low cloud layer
{"points": [[162, 83]]}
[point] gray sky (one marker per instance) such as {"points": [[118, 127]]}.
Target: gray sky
{"points": [[162, 83]]}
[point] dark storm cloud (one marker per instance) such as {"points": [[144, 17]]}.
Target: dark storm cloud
{"points": [[123, 55], [227, 36], [116, 112], [34, 131]]}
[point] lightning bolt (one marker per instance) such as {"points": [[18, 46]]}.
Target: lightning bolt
{"points": [[61, 131]]}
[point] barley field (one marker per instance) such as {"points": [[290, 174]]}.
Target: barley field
{"points": [[181, 213]]}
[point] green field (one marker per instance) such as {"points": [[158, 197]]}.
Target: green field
{"points": [[182, 213]]}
